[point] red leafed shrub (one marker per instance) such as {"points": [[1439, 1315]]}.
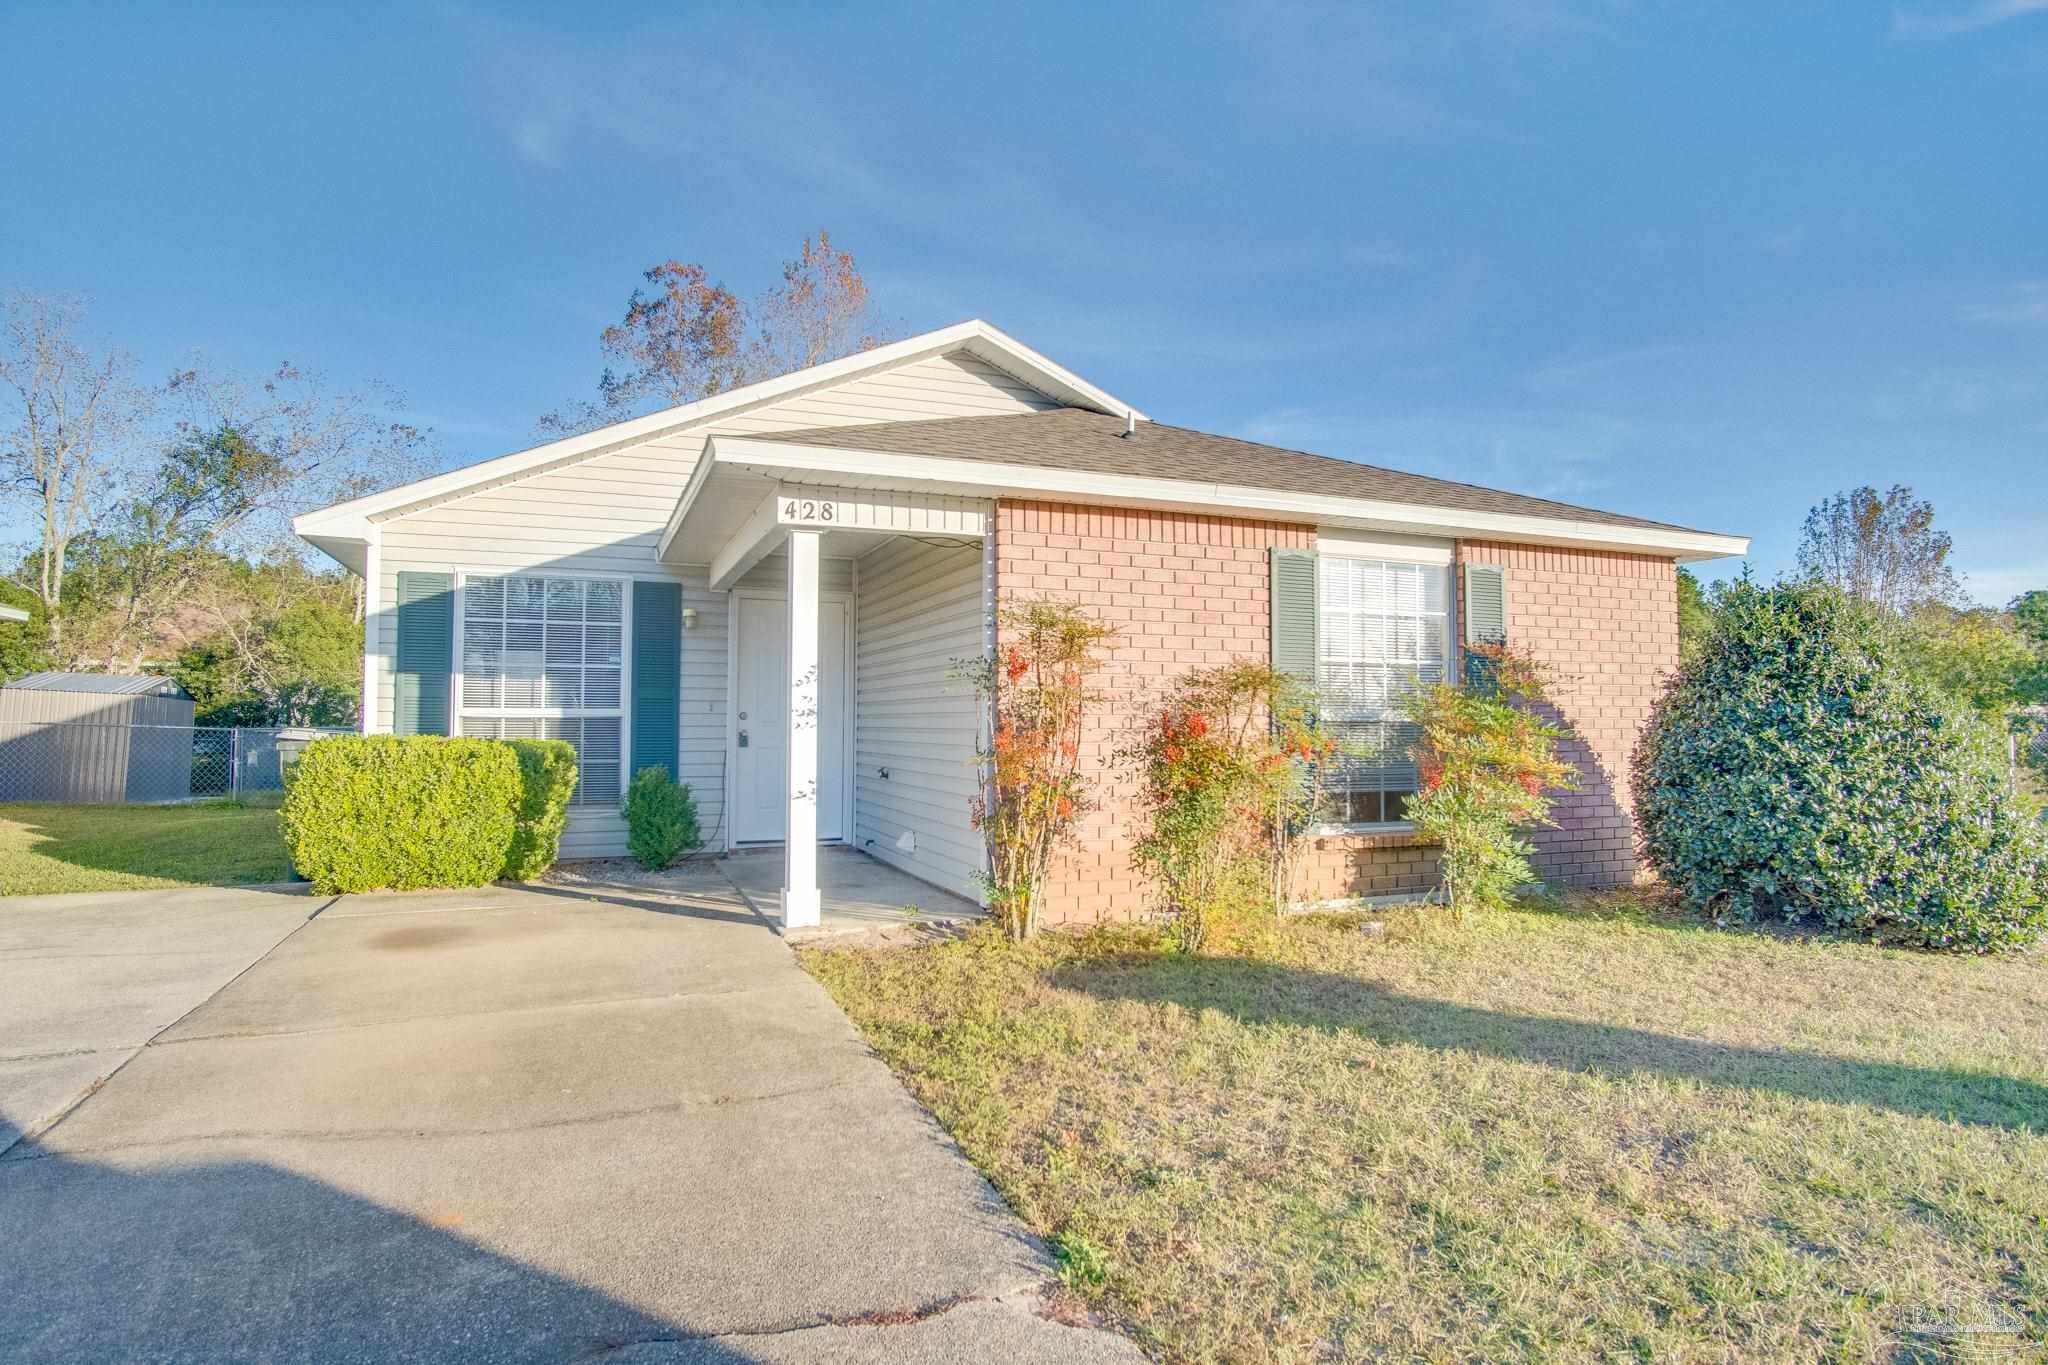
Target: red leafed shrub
{"points": [[1032, 791], [1229, 772]]}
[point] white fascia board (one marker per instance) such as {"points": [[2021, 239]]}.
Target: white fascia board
{"points": [[351, 520], [13, 614], [978, 478], [748, 546]]}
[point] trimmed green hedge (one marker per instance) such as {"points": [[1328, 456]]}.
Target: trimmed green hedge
{"points": [[547, 774], [377, 812]]}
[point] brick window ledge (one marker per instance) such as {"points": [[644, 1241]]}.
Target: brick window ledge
{"points": [[1342, 838]]}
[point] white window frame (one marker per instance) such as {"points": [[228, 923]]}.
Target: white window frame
{"points": [[1388, 550], [625, 708]]}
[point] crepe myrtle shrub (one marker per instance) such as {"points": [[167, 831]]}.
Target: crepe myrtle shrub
{"points": [[547, 779], [1798, 770], [661, 818], [1228, 774], [1038, 693], [1487, 763], [390, 812]]}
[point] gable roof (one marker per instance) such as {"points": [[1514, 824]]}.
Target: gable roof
{"points": [[1090, 442], [343, 529]]}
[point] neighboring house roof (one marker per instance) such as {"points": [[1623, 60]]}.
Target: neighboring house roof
{"points": [[1069, 438], [13, 614], [112, 684]]}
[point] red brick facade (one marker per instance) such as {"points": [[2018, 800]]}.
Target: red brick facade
{"points": [[1607, 625], [1185, 591]]}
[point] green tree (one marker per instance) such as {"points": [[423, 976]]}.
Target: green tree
{"points": [[283, 646], [1978, 658], [24, 645], [2030, 612], [1695, 614]]}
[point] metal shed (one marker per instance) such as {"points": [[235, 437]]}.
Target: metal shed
{"points": [[95, 738]]}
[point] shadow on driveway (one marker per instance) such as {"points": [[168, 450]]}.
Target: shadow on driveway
{"points": [[242, 1261]]}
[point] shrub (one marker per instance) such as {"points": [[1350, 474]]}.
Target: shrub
{"points": [[375, 812], [661, 819], [1229, 774], [1032, 790], [1798, 769], [1487, 760], [547, 779]]}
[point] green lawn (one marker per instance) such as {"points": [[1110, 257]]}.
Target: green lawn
{"points": [[46, 848], [1594, 1133]]}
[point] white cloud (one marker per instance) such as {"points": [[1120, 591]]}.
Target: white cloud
{"points": [[1930, 25], [2024, 305]]}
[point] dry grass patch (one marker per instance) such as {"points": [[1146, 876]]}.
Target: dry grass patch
{"points": [[1596, 1133]]}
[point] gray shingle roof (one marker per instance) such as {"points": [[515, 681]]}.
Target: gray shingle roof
{"points": [[114, 684], [1092, 442]]}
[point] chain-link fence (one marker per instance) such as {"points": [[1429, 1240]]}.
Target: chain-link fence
{"points": [[94, 763]]}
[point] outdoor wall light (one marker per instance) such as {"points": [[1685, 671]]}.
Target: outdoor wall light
{"points": [[689, 618]]}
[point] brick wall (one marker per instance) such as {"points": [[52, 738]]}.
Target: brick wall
{"points": [[1607, 624], [1182, 591], [1185, 591]]}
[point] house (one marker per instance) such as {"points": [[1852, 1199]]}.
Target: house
{"points": [[765, 591]]}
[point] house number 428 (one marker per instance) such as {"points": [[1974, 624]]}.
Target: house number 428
{"points": [[808, 509]]}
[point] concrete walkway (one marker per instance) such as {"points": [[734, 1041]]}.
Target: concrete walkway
{"points": [[536, 1124]]}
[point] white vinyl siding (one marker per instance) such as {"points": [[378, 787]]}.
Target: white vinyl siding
{"points": [[604, 516], [1383, 631], [919, 609]]}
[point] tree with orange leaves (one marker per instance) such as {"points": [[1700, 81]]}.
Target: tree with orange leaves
{"points": [[686, 337]]}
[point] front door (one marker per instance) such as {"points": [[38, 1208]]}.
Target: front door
{"points": [[761, 719]]}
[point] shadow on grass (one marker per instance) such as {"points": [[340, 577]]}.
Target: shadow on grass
{"points": [[1258, 992], [245, 1261]]}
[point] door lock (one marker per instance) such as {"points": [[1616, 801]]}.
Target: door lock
{"points": [[743, 739]]}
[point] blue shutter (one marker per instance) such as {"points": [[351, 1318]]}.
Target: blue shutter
{"points": [[1294, 613], [657, 675], [426, 654]]}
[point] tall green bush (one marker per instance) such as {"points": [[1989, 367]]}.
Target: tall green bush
{"points": [[1798, 769], [661, 819], [547, 778], [375, 812], [1487, 761]]}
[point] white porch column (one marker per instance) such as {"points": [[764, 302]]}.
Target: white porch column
{"points": [[800, 898]]}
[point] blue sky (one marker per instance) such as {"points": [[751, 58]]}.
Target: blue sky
{"points": [[1705, 263]]}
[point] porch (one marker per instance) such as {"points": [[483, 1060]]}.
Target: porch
{"points": [[842, 616], [855, 892]]}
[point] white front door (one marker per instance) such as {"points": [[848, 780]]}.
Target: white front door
{"points": [[761, 719]]}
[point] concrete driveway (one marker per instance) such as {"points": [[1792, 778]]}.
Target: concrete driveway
{"points": [[536, 1124]]}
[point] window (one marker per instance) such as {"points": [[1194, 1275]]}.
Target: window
{"points": [[542, 658], [1384, 631]]}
